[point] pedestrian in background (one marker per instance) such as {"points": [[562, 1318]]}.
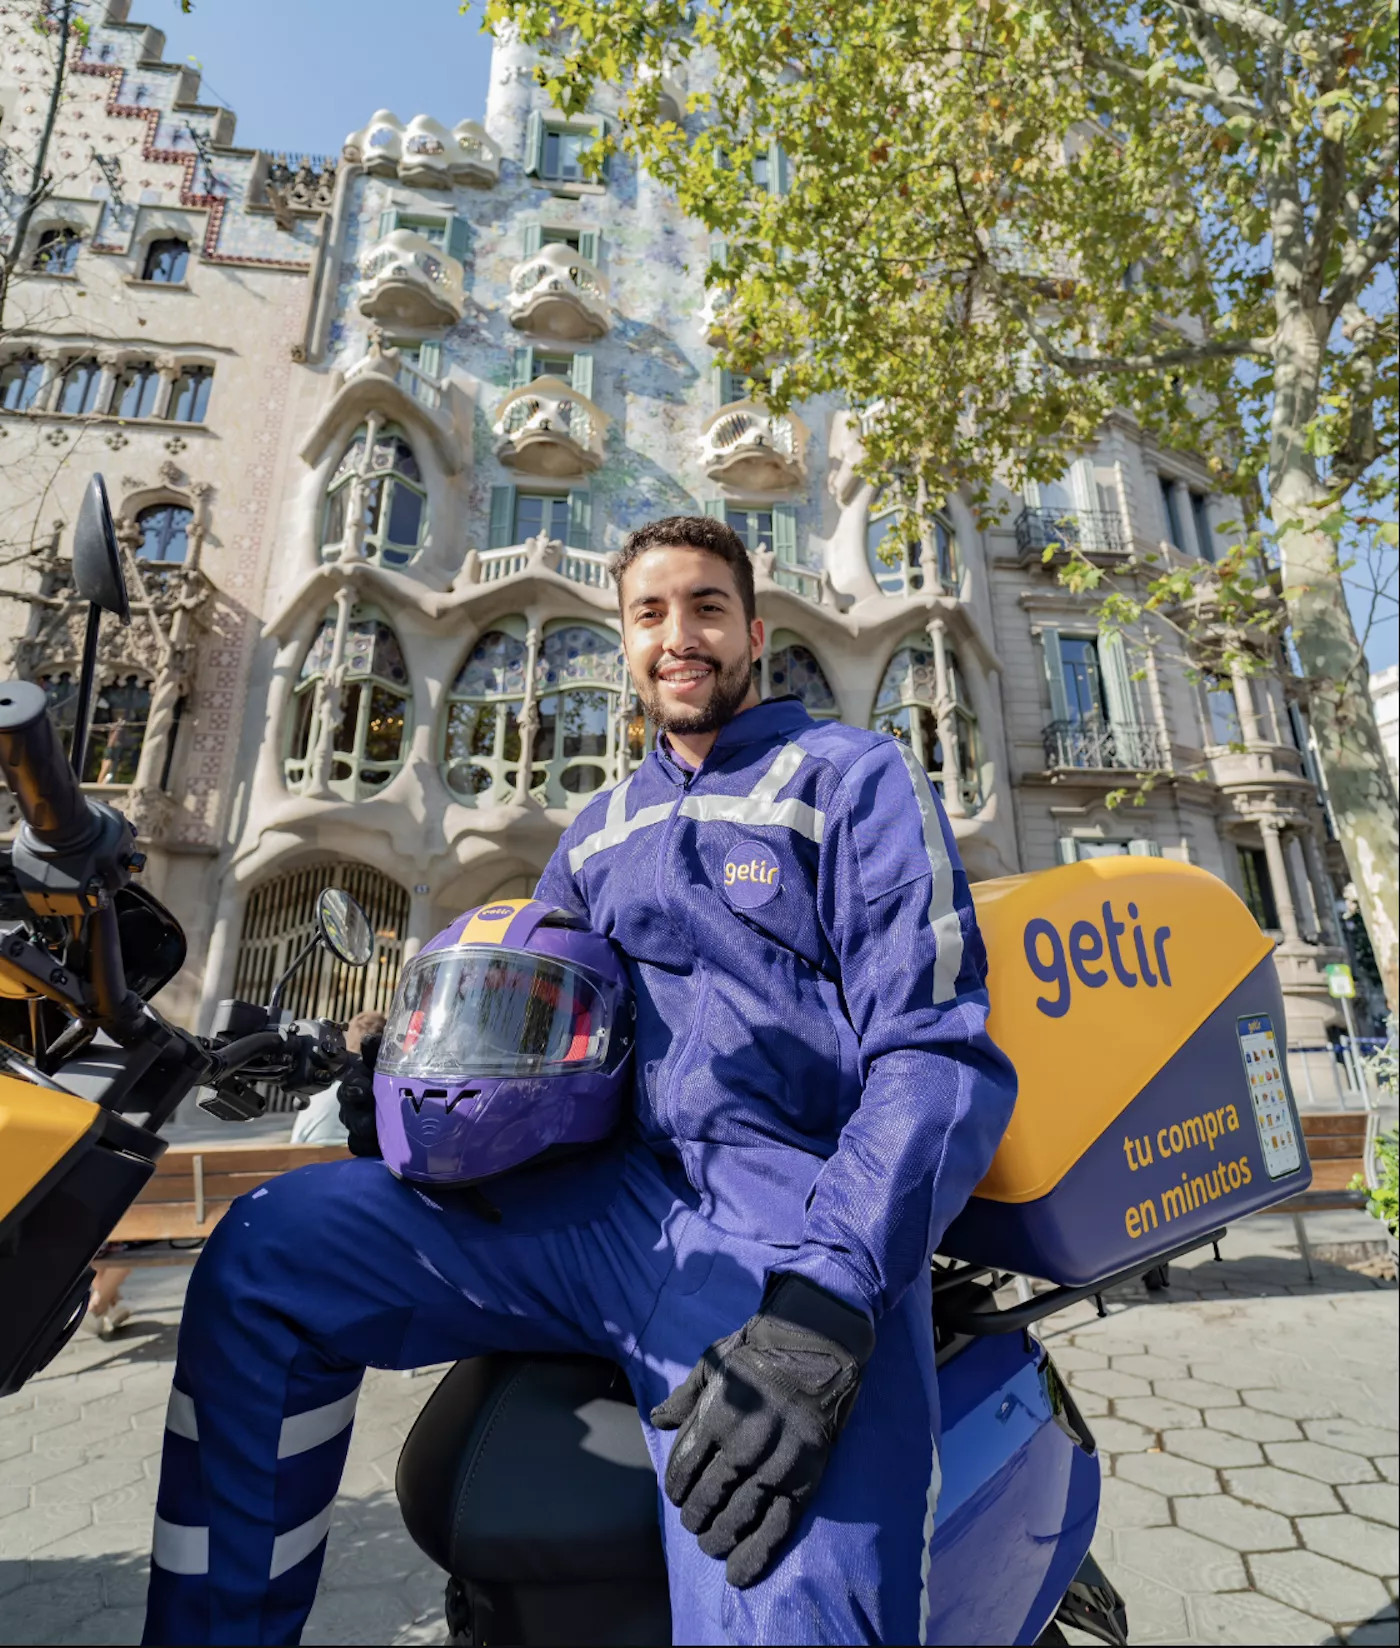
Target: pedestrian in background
{"points": [[320, 1122]]}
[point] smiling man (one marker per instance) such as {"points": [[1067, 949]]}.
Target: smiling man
{"points": [[815, 1098], [812, 1054]]}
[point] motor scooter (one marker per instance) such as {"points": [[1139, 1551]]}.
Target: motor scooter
{"points": [[1137, 1000]]}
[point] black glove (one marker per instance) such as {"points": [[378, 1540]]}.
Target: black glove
{"points": [[356, 1097], [758, 1415]]}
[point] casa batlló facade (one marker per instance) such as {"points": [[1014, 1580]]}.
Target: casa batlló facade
{"points": [[373, 426]]}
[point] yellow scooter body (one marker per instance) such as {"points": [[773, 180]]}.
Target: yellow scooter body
{"points": [[1139, 1003], [68, 1171]]}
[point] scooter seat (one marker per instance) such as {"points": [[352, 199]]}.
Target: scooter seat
{"points": [[529, 1481]]}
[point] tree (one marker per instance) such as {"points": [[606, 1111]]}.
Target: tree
{"points": [[1005, 219]]}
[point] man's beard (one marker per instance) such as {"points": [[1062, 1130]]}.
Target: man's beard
{"points": [[730, 689]]}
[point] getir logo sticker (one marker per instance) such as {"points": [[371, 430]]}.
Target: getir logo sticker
{"points": [[751, 875], [1093, 952]]}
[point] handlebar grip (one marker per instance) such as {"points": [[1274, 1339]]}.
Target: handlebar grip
{"points": [[38, 772]]}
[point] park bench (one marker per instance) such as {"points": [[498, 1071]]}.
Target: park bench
{"points": [[191, 1190], [1337, 1144]]}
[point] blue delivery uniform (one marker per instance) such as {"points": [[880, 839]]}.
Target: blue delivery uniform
{"points": [[816, 1092]]}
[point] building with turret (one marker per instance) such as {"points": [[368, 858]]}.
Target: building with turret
{"points": [[374, 427]]}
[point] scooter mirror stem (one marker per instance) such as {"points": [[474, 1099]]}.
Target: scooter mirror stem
{"points": [[275, 1000], [87, 685]]}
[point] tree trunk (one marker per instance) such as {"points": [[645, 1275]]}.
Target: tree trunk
{"points": [[38, 181], [1354, 766]]}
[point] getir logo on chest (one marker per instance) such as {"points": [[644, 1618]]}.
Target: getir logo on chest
{"points": [[1095, 953], [752, 875]]}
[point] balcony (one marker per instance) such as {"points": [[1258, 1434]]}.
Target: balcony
{"points": [[559, 294], [546, 428], [1123, 746], [579, 566], [1095, 531], [406, 280], [424, 153], [746, 446]]}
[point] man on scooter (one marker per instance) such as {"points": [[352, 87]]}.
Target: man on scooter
{"points": [[815, 1097]]}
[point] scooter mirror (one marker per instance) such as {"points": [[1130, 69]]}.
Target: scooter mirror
{"points": [[344, 927], [97, 567]]}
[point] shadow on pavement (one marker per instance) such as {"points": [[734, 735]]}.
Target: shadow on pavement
{"points": [[376, 1587], [1380, 1631]]}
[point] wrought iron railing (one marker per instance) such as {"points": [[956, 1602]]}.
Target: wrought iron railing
{"points": [[1126, 745], [1096, 531]]}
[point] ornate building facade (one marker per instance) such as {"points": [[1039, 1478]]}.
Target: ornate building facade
{"points": [[437, 383]]}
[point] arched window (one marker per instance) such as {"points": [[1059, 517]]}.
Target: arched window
{"points": [[189, 397], [57, 252], [372, 728], [579, 679], [81, 381], [793, 668], [895, 552], [166, 262], [481, 752], [20, 381], [138, 391], [165, 532], [904, 707], [120, 711], [393, 505]]}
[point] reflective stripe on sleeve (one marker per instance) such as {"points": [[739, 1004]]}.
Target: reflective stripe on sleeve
{"points": [[180, 1549], [617, 826], [298, 1543], [935, 1483], [942, 914], [179, 1416], [301, 1431]]}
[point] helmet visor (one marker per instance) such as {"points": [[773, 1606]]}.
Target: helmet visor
{"points": [[473, 1011]]}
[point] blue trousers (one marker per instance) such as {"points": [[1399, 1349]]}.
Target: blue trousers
{"points": [[337, 1267]]}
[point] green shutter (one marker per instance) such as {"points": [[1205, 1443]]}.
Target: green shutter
{"points": [[502, 530], [785, 533], [590, 245], [1144, 849], [1055, 674], [534, 142], [388, 222], [602, 125], [581, 376], [719, 253], [714, 508], [777, 170], [719, 380], [522, 367], [1116, 671], [430, 359], [457, 239], [580, 520], [1069, 849], [531, 239]]}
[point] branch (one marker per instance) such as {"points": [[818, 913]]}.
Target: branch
{"points": [[1087, 366], [1359, 261], [1189, 89], [1259, 26]]}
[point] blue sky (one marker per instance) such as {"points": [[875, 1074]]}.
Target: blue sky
{"points": [[301, 74]]}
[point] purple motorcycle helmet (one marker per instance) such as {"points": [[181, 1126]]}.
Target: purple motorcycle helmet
{"points": [[509, 1034]]}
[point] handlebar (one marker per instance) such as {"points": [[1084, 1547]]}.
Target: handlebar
{"points": [[38, 772]]}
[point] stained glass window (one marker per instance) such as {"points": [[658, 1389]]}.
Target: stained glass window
{"points": [[373, 717], [393, 505], [905, 708], [482, 747], [579, 680], [793, 668]]}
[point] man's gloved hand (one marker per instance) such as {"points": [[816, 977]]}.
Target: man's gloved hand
{"points": [[356, 1096], [757, 1416]]}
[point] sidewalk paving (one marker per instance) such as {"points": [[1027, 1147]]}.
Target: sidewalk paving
{"points": [[1246, 1420]]}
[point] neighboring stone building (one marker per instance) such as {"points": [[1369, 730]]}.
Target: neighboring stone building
{"points": [[1385, 695], [444, 390]]}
